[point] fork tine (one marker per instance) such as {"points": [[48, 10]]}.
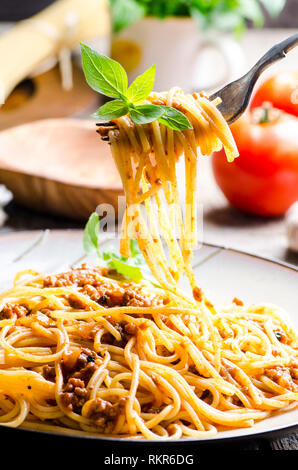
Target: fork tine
{"points": [[105, 124], [103, 129]]}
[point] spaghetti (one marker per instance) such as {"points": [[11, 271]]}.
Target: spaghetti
{"points": [[146, 157], [88, 351]]}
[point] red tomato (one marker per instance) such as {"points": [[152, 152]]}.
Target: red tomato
{"points": [[281, 90], [264, 178]]}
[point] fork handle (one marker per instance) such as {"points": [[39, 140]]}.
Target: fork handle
{"points": [[274, 54], [236, 95]]}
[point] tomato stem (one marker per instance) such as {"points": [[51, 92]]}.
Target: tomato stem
{"points": [[265, 117], [266, 114]]}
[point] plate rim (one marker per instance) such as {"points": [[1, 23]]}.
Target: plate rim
{"points": [[252, 254]]}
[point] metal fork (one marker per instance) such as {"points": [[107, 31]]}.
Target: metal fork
{"points": [[236, 95]]}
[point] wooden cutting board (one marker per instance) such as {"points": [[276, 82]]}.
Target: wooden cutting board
{"points": [[59, 166], [42, 97]]}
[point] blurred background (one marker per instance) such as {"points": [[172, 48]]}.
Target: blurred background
{"points": [[54, 169]]}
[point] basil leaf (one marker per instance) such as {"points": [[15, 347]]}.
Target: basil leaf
{"points": [[132, 272], [134, 268], [111, 110], [174, 119], [145, 113], [142, 86], [90, 236], [134, 248], [122, 265], [103, 74]]}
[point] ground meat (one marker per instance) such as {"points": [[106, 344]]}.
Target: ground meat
{"points": [[111, 295], [37, 317], [88, 330], [294, 370], [294, 373], [130, 329], [193, 370], [49, 373], [10, 310], [80, 364], [163, 351], [133, 298], [206, 395], [104, 413], [126, 330], [105, 292], [236, 401], [78, 368], [74, 394], [281, 375], [281, 336], [93, 293], [76, 277], [197, 294], [150, 408], [77, 303]]}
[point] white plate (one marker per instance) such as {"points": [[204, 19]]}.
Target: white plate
{"points": [[224, 273]]}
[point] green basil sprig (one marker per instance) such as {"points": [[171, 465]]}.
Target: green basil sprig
{"points": [[134, 268], [109, 78], [90, 235]]}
